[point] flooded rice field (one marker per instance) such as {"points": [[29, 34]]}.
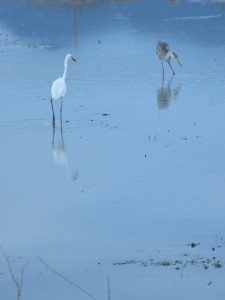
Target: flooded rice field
{"points": [[124, 197]]}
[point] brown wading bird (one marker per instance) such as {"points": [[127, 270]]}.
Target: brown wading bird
{"points": [[164, 54]]}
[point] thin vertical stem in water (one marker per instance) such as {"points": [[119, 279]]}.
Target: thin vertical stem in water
{"points": [[108, 288], [22, 274], [65, 278], [15, 281]]}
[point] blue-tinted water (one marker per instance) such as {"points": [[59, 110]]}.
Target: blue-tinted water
{"points": [[137, 170]]}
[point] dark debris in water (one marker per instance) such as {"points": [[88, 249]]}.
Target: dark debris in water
{"points": [[193, 245], [176, 264], [189, 260], [125, 262], [217, 264]]}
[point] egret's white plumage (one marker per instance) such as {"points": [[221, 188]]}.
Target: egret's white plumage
{"points": [[58, 89], [164, 54]]}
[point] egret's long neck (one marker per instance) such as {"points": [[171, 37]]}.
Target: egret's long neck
{"points": [[65, 69]]}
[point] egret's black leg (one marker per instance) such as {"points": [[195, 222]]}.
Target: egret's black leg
{"points": [[61, 130], [61, 111], [53, 137], [171, 68], [53, 115]]}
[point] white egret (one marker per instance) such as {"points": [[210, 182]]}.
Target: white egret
{"points": [[58, 89], [164, 54]]}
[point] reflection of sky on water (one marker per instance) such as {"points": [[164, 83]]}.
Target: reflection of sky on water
{"points": [[57, 23], [152, 179]]}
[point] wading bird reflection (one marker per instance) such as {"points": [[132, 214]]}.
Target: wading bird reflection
{"points": [[166, 93], [164, 54], [60, 156], [58, 89]]}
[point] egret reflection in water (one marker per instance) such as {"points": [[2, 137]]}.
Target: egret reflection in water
{"points": [[60, 155], [166, 93]]}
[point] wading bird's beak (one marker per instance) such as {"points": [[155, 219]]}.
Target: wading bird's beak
{"points": [[179, 62], [73, 58], [175, 57]]}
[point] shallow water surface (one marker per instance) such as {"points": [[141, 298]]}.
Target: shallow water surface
{"points": [[131, 186]]}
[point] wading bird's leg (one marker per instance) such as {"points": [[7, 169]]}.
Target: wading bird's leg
{"points": [[61, 130], [171, 68], [61, 123], [53, 115], [53, 137], [61, 111], [163, 70]]}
